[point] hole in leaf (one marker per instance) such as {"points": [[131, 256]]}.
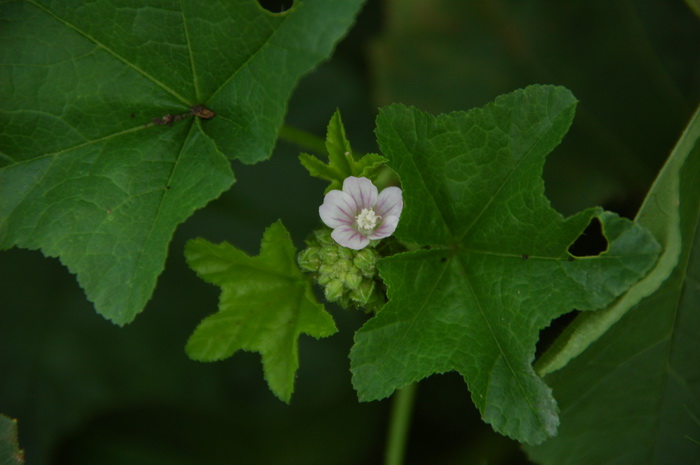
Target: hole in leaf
{"points": [[549, 334], [276, 6], [591, 243]]}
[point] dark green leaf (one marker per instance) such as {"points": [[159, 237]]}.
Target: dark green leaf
{"points": [[633, 397], [495, 267], [266, 303], [86, 175]]}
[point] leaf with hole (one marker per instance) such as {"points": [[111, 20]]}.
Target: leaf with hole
{"points": [[491, 266], [633, 396]]}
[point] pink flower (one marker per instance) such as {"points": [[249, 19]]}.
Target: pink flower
{"points": [[358, 214]]}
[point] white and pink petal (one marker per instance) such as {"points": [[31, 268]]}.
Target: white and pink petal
{"points": [[349, 237], [386, 229], [338, 209], [389, 202], [362, 191]]}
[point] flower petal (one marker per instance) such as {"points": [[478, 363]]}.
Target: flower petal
{"points": [[385, 229], [390, 202], [362, 191], [349, 237], [338, 209]]}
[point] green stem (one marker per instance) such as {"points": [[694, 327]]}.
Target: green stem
{"points": [[399, 422], [303, 139]]}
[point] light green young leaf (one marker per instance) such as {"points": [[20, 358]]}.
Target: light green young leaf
{"points": [[85, 175], [10, 453], [341, 161], [266, 303], [494, 268], [633, 397]]}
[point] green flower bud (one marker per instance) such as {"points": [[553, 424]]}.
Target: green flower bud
{"points": [[343, 267], [309, 259], [362, 293], [326, 273], [353, 279], [334, 290], [345, 253], [366, 261], [324, 279], [323, 237], [329, 254], [347, 275]]}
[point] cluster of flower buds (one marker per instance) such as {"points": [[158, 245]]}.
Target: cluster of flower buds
{"points": [[349, 277]]}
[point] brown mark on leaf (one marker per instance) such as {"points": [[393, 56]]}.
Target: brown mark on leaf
{"points": [[197, 110], [202, 112], [165, 120]]}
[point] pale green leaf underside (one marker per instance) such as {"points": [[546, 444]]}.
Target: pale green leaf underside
{"points": [[266, 303], [84, 175], [633, 397], [497, 270]]}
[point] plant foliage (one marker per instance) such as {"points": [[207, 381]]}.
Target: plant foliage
{"points": [[102, 153], [266, 303], [493, 267], [635, 393]]}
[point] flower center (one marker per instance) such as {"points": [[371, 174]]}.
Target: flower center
{"points": [[367, 219]]}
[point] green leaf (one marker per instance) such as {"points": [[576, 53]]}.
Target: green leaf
{"points": [[494, 268], [10, 453], [85, 174], [633, 397], [266, 303], [341, 161], [664, 225]]}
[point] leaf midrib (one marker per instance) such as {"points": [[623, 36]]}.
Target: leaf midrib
{"points": [[116, 55], [496, 339], [250, 58], [508, 178]]}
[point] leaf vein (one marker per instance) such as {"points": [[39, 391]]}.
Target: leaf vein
{"points": [[107, 49]]}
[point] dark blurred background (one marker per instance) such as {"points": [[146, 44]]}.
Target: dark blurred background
{"points": [[87, 392]]}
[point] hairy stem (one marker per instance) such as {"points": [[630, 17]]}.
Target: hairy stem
{"points": [[303, 139], [401, 407]]}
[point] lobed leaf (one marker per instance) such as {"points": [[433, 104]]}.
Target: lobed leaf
{"points": [[101, 152], [493, 267], [266, 303]]}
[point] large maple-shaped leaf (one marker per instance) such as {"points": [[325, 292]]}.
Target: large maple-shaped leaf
{"points": [[633, 397], [84, 173], [493, 268], [266, 303]]}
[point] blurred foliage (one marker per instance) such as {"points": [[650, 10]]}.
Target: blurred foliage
{"points": [[633, 65], [87, 392]]}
